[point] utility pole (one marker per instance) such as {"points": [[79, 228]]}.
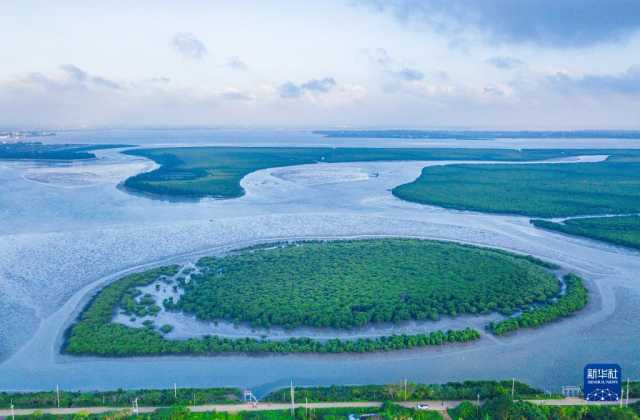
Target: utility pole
{"points": [[58, 395], [513, 387], [621, 398], [13, 413], [405, 390], [477, 403], [627, 402], [175, 391], [293, 403], [306, 407]]}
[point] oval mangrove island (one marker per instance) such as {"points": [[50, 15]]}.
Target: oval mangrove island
{"points": [[333, 285]]}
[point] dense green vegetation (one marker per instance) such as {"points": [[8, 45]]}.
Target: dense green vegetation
{"points": [[415, 392], [347, 284], [540, 190], [203, 396], [480, 135], [387, 411], [503, 408], [117, 340], [196, 172], [495, 396], [544, 190], [133, 304], [121, 398], [36, 150], [621, 230], [575, 298], [497, 408], [95, 334], [337, 284], [341, 284], [95, 320]]}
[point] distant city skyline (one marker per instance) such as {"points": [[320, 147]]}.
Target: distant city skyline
{"points": [[494, 64]]}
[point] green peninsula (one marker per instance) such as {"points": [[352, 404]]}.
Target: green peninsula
{"points": [[198, 172]]}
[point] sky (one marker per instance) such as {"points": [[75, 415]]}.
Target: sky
{"points": [[492, 64]]}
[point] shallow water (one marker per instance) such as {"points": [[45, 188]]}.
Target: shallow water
{"points": [[59, 241]]}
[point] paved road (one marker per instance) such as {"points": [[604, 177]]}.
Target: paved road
{"points": [[441, 406], [579, 401], [198, 408]]}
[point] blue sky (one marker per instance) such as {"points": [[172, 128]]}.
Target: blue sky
{"points": [[512, 64]]}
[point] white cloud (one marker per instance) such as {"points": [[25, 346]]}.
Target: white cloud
{"points": [[236, 63], [188, 46], [504, 63], [233, 94], [396, 76], [290, 90]]}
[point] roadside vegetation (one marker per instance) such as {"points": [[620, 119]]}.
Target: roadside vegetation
{"points": [[205, 396], [37, 150], [503, 408], [121, 398], [467, 390], [538, 190], [620, 230], [495, 396], [387, 411], [497, 408], [575, 298], [197, 172]]}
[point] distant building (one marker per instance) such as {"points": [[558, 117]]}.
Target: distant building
{"points": [[571, 391]]}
